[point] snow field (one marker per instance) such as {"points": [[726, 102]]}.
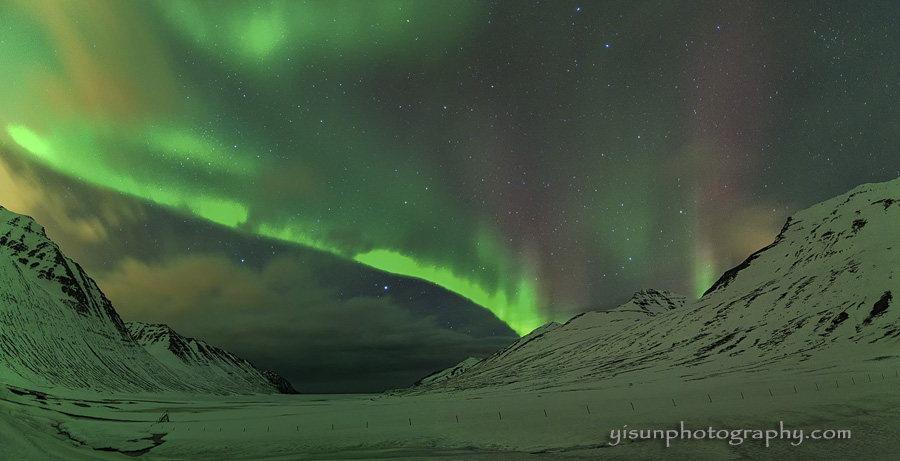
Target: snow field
{"points": [[577, 423]]}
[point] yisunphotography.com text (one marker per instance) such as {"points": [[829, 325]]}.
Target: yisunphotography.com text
{"points": [[733, 436]]}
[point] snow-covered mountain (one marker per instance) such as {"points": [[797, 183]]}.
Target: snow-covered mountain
{"points": [[189, 356], [58, 330], [820, 294], [282, 385], [556, 354], [448, 373]]}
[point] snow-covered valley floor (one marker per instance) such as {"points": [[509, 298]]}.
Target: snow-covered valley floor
{"points": [[561, 423]]}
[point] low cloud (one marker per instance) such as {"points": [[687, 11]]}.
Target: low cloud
{"points": [[75, 216], [281, 319]]}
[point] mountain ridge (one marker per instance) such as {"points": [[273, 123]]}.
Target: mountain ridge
{"points": [[186, 354], [822, 288], [58, 329]]}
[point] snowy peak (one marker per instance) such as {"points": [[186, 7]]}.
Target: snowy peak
{"points": [[23, 222], [183, 354], [26, 244], [188, 350], [545, 328], [59, 331], [860, 220], [554, 350], [653, 302], [642, 306], [826, 281], [821, 294], [828, 278]]}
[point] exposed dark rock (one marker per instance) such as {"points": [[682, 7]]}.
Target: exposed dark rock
{"points": [[879, 308]]}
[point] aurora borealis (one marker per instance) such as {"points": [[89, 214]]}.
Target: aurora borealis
{"points": [[538, 159]]}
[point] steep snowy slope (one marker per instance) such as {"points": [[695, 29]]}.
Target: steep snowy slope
{"points": [[282, 385], [821, 292], [189, 356], [56, 327], [556, 354], [58, 330], [448, 373]]}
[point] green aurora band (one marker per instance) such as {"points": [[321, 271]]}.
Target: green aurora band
{"points": [[518, 308], [436, 140], [145, 140]]}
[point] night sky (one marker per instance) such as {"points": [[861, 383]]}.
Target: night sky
{"points": [[355, 194]]}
